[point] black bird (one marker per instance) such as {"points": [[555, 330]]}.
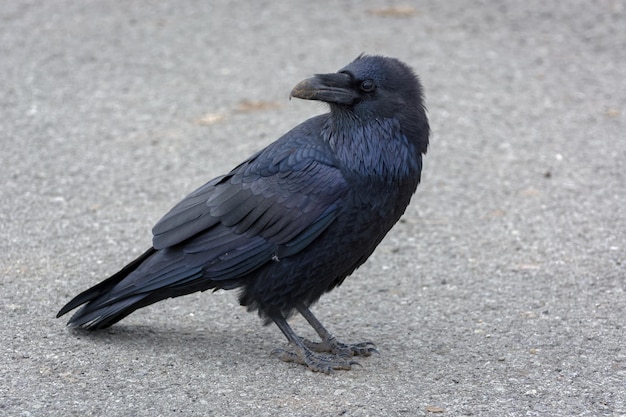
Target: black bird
{"points": [[295, 219]]}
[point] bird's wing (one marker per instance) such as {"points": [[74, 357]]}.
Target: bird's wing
{"points": [[272, 205]]}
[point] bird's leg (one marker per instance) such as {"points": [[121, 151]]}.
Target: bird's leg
{"points": [[305, 356], [329, 343]]}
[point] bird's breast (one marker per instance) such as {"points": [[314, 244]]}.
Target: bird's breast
{"points": [[375, 152]]}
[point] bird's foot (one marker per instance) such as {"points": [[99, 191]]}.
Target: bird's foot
{"points": [[337, 348], [314, 360]]}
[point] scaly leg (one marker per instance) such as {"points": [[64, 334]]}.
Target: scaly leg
{"points": [[329, 343], [303, 355]]}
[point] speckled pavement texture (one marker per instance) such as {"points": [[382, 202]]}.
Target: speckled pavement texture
{"points": [[500, 293]]}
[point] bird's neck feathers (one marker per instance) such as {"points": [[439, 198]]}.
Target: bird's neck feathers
{"points": [[373, 150]]}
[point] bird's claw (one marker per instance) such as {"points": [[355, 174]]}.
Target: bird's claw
{"points": [[314, 361], [337, 348]]}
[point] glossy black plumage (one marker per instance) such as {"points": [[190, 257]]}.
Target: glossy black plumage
{"points": [[292, 221]]}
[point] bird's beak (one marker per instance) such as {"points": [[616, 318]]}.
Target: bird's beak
{"points": [[331, 88]]}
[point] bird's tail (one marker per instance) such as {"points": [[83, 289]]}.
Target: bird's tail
{"points": [[114, 298]]}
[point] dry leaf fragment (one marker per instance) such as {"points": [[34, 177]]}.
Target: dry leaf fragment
{"points": [[252, 105], [209, 119], [526, 267], [529, 192], [433, 409], [394, 11]]}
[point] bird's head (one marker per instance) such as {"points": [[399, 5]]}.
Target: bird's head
{"points": [[372, 87]]}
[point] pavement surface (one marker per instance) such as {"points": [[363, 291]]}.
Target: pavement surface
{"points": [[500, 293]]}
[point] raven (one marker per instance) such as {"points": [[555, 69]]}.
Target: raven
{"points": [[292, 221]]}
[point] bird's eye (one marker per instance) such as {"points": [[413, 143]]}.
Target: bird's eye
{"points": [[368, 86]]}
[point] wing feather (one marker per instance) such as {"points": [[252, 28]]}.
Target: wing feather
{"points": [[274, 204]]}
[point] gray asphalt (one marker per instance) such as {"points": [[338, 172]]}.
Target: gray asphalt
{"points": [[501, 292]]}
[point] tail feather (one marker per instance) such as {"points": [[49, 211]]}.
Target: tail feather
{"points": [[103, 317], [97, 313], [105, 286], [137, 285]]}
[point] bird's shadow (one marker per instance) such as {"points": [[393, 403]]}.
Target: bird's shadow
{"points": [[201, 343]]}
